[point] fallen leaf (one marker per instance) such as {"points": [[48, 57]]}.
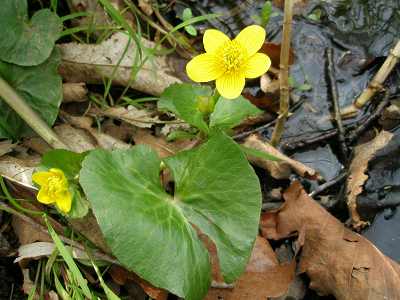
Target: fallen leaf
{"points": [[92, 63], [146, 7], [75, 92], [338, 261], [77, 139], [121, 276], [28, 234], [138, 117], [274, 52], [6, 147], [278, 169], [159, 144], [264, 277], [355, 182]]}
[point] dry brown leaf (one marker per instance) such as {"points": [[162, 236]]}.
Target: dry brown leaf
{"points": [[159, 144], [26, 233], [77, 139], [355, 182], [138, 117], [121, 276], [338, 261], [74, 92], [92, 63], [278, 169], [264, 276], [6, 147], [146, 7], [100, 139], [274, 52]]}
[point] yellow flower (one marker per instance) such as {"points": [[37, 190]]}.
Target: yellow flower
{"points": [[229, 62], [53, 189]]}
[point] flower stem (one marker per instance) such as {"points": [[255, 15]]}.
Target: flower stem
{"points": [[284, 74]]}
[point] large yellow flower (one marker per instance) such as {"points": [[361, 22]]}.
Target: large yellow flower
{"points": [[53, 189], [228, 61]]}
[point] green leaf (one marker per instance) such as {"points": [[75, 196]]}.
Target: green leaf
{"points": [[66, 255], [67, 161], [181, 99], [259, 154], [191, 30], [266, 13], [27, 42], [40, 86], [187, 14], [70, 163], [230, 113], [151, 232]]}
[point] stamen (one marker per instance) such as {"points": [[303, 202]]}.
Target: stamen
{"points": [[233, 56]]}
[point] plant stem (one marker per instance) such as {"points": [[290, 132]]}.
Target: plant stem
{"points": [[335, 100], [8, 94], [376, 83], [284, 74]]}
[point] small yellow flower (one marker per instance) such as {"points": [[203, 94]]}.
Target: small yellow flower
{"points": [[229, 62], [53, 189]]}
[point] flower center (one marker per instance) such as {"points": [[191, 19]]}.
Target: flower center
{"points": [[54, 184], [233, 56]]}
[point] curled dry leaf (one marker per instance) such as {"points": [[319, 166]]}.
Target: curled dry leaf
{"points": [[92, 63], [121, 277], [338, 261], [355, 182], [98, 138], [278, 169], [264, 277], [159, 144], [75, 92], [138, 117]]}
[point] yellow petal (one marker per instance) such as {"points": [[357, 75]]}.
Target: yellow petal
{"points": [[213, 39], [43, 197], [203, 68], [252, 38], [257, 65], [231, 85], [41, 177], [64, 201]]}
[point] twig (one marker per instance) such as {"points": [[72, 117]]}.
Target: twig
{"points": [[328, 184], [371, 118], [284, 74], [335, 99], [242, 135], [8, 94], [376, 83], [301, 141]]}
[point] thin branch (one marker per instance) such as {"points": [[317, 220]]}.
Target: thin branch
{"points": [[376, 83], [335, 99], [371, 118], [284, 74], [8, 94]]}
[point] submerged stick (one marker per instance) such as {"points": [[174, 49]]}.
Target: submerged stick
{"points": [[284, 74], [8, 94], [335, 100], [376, 83]]}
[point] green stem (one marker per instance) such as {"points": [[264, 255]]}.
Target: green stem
{"points": [[15, 202], [8, 94]]}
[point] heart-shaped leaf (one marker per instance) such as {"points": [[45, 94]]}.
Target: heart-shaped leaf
{"points": [[151, 232], [27, 42], [230, 113], [41, 88]]}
